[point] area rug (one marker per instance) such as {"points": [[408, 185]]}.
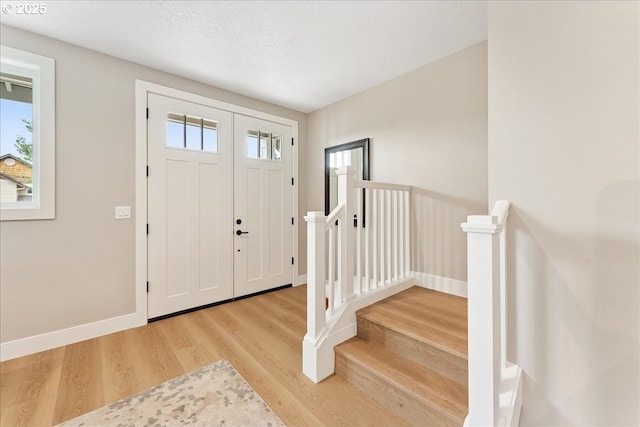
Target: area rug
{"points": [[215, 395]]}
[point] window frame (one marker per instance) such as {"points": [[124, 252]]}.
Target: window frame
{"points": [[41, 70]]}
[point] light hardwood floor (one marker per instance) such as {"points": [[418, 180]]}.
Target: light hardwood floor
{"points": [[260, 336]]}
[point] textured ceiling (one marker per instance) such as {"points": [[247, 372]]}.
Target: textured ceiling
{"points": [[299, 54]]}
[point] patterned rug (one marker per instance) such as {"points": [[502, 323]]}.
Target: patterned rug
{"points": [[215, 395]]}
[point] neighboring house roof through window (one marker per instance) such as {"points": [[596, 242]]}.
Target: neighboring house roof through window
{"points": [[20, 185], [5, 157], [17, 169]]}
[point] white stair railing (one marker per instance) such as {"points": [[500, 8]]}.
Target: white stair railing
{"points": [[356, 256], [495, 385], [384, 239]]}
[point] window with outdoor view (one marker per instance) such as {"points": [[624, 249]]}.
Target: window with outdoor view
{"points": [[264, 145], [27, 145]]}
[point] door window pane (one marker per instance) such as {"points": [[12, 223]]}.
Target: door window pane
{"points": [[264, 145], [209, 136], [253, 151], [192, 133], [175, 134], [276, 147]]}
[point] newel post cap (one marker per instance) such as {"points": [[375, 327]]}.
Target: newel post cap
{"points": [[484, 224], [315, 216]]}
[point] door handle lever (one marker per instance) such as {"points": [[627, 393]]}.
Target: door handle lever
{"points": [[240, 232]]}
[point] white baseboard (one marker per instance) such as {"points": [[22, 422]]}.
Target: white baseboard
{"points": [[37, 343], [441, 284]]}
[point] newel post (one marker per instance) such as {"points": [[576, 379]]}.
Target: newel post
{"points": [[316, 313], [316, 318], [484, 330], [346, 194]]}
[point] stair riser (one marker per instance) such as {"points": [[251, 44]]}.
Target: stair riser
{"points": [[443, 362], [396, 400]]}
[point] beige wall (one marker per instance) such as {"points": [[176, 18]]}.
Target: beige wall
{"points": [[564, 140], [79, 268], [428, 128]]}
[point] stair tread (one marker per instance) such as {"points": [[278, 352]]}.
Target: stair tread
{"points": [[427, 316], [423, 384]]}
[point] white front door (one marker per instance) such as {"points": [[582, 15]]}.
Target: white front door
{"points": [[220, 205], [190, 205], [263, 205]]}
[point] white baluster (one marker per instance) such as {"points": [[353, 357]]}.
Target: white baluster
{"points": [[388, 240], [332, 268], [407, 233], [358, 230], [374, 231], [400, 233], [396, 234], [383, 237], [367, 238], [503, 296], [340, 290]]}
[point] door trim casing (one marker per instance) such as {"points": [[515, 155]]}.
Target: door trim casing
{"points": [[142, 88]]}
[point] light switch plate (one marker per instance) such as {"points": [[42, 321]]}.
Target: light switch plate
{"points": [[123, 212]]}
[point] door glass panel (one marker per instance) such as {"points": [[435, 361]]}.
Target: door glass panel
{"points": [[264, 145], [253, 151], [276, 147], [192, 133], [265, 138], [209, 136], [175, 134]]}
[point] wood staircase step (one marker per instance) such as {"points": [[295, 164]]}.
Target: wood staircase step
{"points": [[451, 365], [419, 395], [410, 355], [428, 316], [432, 335]]}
